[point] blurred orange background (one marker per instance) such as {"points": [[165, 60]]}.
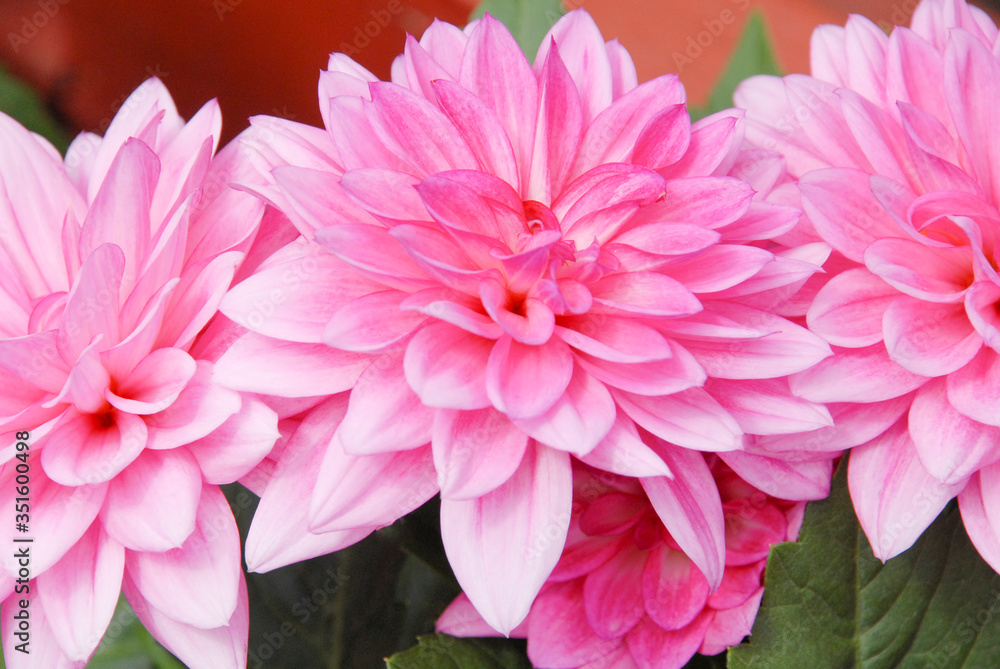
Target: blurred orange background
{"points": [[85, 56]]}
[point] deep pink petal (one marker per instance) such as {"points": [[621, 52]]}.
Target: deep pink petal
{"points": [[673, 589], [558, 632], [613, 594], [503, 545], [928, 273], [652, 646]]}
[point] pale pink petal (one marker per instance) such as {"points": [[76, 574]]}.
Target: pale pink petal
{"points": [[503, 545], [977, 518], [93, 303], [691, 418], [80, 592], [200, 407], [196, 647], [894, 496], [461, 619], [925, 272], [561, 119], [690, 508], [644, 293], [382, 397], [279, 534], [234, 448], [475, 451], [951, 445], [256, 363], [767, 406], [151, 505], [198, 583], [368, 491], [623, 452], [41, 647], [855, 375], [371, 323], [807, 480], [577, 40]]}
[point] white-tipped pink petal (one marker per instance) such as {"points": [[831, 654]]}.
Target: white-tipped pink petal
{"points": [[690, 508], [894, 495], [80, 592], [504, 544], [151, 505], [690, 418], [198, 583]]}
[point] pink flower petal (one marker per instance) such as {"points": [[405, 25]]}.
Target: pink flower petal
{"points": [[613, 594], [791, 480], [155, 383], [977, 518], [199, 408], [371, 323], [848, 310], [652, 646], [673, 589], [927, 338], [526, 381], [93, 303], [894, 496], [559, 634], [578, 420], [645, 294], [86, 448], [730, 626], [368, 491], [691, 418], [255, 363], [767, 406], [612, 338], [921, 271], [198, 583], [974, 390], [444, 366], [623, 452], [382, 397], [691, 509], [80, 593], [951, 446], [475, 451], [562, 116], [197, 647], [279, 534], [503, 545], [720, 267], [234, 448], [855, 375]]}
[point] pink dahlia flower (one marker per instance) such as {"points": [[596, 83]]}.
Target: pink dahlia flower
{"points": [[896, 148], [507, 266], [625, 595], [111, 263]]}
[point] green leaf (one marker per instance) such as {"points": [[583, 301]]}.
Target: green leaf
{"points": [[440, 651], [20, 102], [753, 55], [829, 603], [527, 20]]}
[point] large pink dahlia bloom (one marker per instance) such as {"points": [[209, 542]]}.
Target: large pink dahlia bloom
{"points": [[507, 266], [625, 596], [111, 263], [895, 142]]}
